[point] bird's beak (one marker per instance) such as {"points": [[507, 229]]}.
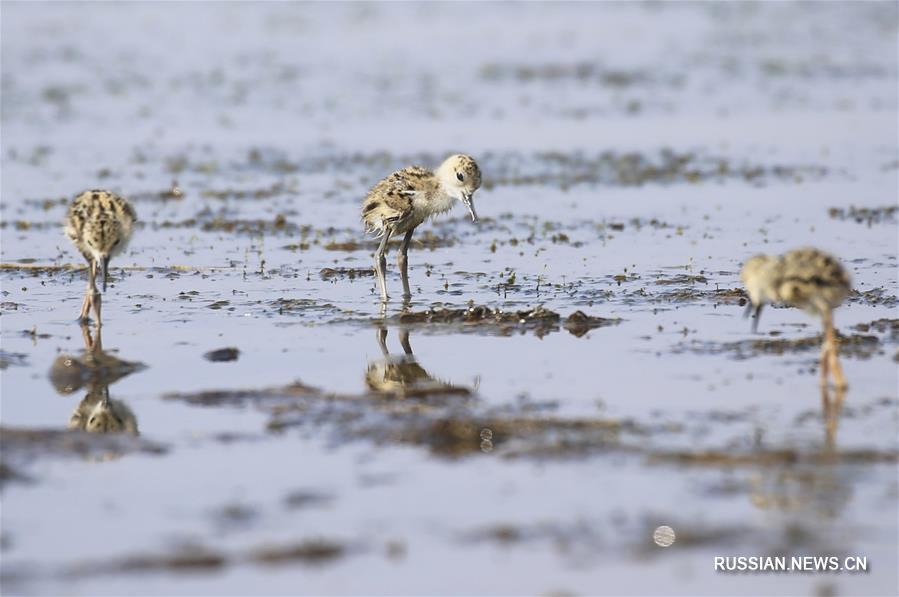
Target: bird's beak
{"points": [[105, 264], [468, 200], [755, 318]]}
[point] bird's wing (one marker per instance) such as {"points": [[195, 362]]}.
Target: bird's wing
{"points": [[390, 202]]}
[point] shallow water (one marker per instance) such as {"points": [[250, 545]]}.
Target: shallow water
{"points": [[634, 156]]}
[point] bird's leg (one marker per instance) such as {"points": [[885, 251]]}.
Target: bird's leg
{"points": [[404, 341], [89, 292], [836, 368], [96, 300], [402, 260], [382, 341], [824, 363], [95, 294], [381, 263]]}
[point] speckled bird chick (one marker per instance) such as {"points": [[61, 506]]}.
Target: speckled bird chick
{"points": [[402, 376], [805, 278], [406, 198], [100, 224]]}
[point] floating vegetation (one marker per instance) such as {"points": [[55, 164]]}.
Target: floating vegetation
{"points": [[579, 323], [222, 355], [854, 345], [313, 552], [15, 359], [19, 443], [865, 215], [350, 273], [631, 169], [483, 319], [772, 457]]}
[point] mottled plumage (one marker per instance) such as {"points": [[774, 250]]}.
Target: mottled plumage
{"points": [[99, 224], [807, 278], [402, 201]]}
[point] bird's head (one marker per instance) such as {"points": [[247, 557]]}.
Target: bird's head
{"points": [[460, 176], [758, 276]]}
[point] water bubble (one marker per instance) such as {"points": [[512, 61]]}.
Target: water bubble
{"points": [[663, 536]]}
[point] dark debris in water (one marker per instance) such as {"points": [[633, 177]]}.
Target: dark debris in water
{"points": [[241, 397], [318, 551], [28, 444], [566, 170], [273, 190], [579, 323], [426, 239], [690, 294], [485, 319], [888, 327], [457, 429], [539, 319], [769, 457], [209, 222], [859, 346], [874, 297], [196, 559], [865, 215], [579, 535], [519, 436], [290, 306], [350, 273], [301, 499], [15, 359], [580, 71], [688, 279], [10, 474], [222, 355]]}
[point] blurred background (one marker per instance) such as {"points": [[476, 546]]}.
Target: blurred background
{"points": [[634, 154]]}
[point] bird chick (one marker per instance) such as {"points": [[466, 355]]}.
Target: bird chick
{"points": [[402, 201], [99, 224], [807, 278]]}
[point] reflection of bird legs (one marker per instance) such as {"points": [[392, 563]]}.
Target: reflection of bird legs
{"points": [[92, 299], [830, 410], [830, 359], [382, 341], [404, 341], [91, 344]]}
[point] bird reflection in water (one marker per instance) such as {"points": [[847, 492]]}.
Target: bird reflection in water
{"points": [[95, 370], [831, 408], [815, 487], [402, 376]]}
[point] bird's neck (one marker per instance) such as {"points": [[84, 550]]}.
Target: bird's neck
{"points": [[440, 201]]}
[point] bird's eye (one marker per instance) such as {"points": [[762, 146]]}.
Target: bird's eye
{"points": [[460, 176]]}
